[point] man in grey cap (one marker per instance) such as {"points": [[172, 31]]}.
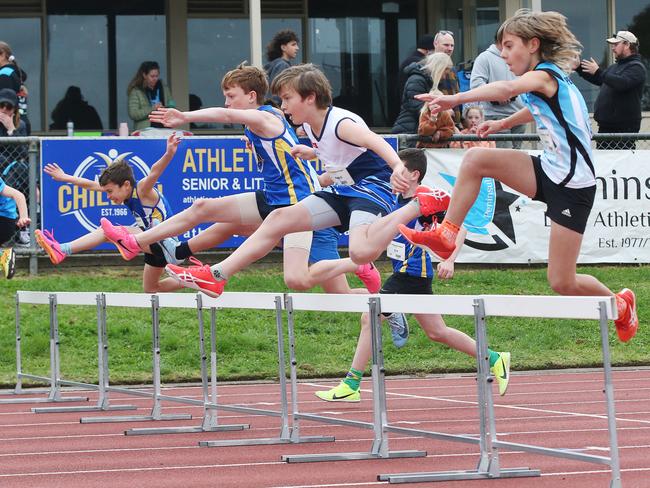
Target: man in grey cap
{"points": [[618, 106]]}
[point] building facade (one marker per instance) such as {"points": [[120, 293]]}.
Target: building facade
{"points": [[98, 46]]}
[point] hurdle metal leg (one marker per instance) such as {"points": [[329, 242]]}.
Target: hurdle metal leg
{"points": [[488, 463], [379, 448], [156, 411], [285, 431], [54, 394], [210, 421], [103, 403]]}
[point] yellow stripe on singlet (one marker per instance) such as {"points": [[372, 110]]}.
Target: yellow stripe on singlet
{"points": [[281, 150]]}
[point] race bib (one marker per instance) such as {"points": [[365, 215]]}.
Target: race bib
{"points": [[396, 250], [341, 177], [547, 140]]}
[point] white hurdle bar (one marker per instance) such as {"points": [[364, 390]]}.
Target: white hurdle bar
{"points": [[594, 308], [261, 301], [345, 303]]}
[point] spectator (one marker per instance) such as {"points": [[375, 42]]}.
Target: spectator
{"points": [[147, 93], [282, 49], [13, 214], [9, 71], [196, 104], [22, 94], [472, 118], [74, 108], [423, 47], [443, 42], [618, 105], [489, 66], [439, 127]]}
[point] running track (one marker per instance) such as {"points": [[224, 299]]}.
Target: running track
{"points": [[553, 409]]}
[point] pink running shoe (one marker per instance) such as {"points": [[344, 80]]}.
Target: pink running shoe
{"points": [[125, 242], [198, 277], [370, 276], [50, 245]]}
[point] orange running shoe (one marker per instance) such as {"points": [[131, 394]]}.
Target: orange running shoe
{"points": [[198, 277], [628, 322], [432, 201], [431, 241], [50, 245], [370, 276]]}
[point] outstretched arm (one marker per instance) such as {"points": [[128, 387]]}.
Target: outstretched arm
{"points": [[21, 204], [262, 123], [57, 174], [145, 185]]}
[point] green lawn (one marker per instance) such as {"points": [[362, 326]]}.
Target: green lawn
{"points": [[325, 342]]}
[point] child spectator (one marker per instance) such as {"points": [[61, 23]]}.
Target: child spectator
{"points": [[472, 118]]}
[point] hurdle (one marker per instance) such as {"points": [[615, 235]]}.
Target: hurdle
{"points": [[289, 434], [346, 303], [55, 380], [594, 308]]}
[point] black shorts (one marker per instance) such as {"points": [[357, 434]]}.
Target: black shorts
{"points": [[568, 207], [401, 283], [7, 229], [156, 258], [263, 207], [344, 206]]}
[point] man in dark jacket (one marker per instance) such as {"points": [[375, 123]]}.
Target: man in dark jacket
{"points": [[424, 47], [618, 106]]}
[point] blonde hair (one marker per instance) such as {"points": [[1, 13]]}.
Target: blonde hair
{"points": [[436, 64], [557, 44], [305, 79]]}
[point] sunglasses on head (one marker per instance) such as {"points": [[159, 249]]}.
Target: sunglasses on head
{"points": [[446, 33], [6, 105]]}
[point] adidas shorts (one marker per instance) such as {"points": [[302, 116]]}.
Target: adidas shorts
{"points": [[568, 207]]}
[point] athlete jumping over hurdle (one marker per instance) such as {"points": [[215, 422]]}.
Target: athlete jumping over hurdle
{"points": [[540, 49]]}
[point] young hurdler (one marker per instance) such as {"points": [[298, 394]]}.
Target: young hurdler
{"points": [[287, 180], [360, 166], [13, 214], [539, 48], [413, 274], [145, 202]]}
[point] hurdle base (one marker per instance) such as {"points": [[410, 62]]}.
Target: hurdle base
{"points": [[457, 475], [43, 400], [88, 408], [350, 456], [265, 441], [185, 430], [133, 418]]}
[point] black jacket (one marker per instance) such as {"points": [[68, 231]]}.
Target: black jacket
{"points": [[621, 89], [418, 81], [415, 57]]}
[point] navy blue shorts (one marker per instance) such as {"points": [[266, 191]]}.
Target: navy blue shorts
{"points": [[324, 245]]}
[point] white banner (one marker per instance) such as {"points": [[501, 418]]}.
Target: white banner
{"points": [[505, 226]]}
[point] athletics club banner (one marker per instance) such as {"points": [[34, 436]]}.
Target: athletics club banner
{"points": [[507, 227], [203, 167]]}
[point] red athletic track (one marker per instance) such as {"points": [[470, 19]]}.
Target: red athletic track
{"points": [[551, 409]]}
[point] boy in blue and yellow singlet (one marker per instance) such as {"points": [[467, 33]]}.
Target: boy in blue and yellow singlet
{"points": [[287, 180], [147, 205], [413, 274]]}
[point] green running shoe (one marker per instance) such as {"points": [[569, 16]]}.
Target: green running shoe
{"points": [[501, 371], [340, 393]]}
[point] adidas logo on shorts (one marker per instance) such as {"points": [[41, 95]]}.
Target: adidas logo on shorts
{"points": [[566, 212]]}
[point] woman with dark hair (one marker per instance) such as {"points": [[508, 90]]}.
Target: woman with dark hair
{"points": [[10, 74], [147, 93], [280, 51]]}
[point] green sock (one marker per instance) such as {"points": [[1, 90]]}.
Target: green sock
{"points": [[353, 378], [494, 357]]}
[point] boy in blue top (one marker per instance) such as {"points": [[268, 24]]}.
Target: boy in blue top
{"points": [[13, 213], [142, 198], [413, 274], [541, 50]]}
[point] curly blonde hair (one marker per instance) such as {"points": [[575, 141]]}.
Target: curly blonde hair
{"points": [[558, 45]]}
